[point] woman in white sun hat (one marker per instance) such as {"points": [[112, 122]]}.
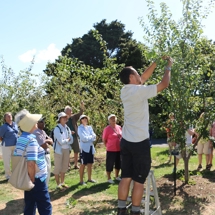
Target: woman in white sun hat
{"points": [[62, 145], [36, 164], [87, 137], [111, 137]]}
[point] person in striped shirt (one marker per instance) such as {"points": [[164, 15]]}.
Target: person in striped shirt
{"points": [[38, 197]]}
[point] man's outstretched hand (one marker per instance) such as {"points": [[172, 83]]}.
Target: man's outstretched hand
{"points": [[82, 105], [169, 60]]}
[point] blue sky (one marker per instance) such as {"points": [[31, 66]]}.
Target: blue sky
{"points": [[43, 27]]}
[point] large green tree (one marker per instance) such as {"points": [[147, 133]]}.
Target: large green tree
{"points": [[120, 45], [192, 82], [75, 81]]}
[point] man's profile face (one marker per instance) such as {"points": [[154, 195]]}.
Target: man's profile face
{"points": [[137, 78]]}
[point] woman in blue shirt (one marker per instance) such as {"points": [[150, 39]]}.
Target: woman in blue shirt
{"points": [[8, 136], [38, 197], [87, 136]]}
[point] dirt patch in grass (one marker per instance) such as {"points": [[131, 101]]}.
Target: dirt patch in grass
{"points": [[198, 198]]}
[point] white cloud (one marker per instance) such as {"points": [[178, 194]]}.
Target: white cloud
{"points": [[27, 56], [49, 54]]}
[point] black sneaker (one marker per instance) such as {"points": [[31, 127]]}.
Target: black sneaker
{"points": [[135, 213], [199, 167], [122, 211]]}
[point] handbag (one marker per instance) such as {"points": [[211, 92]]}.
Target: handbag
{"points": [[20, 178]]}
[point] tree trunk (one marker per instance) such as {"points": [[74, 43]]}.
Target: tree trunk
{"points": [[186, 169]]}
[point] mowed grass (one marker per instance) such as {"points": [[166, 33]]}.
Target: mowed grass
{"points": [[161, 167], [99, 198]]}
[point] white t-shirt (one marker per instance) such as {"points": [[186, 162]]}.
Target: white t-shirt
{"points": [[136, 111], [188, 139]]}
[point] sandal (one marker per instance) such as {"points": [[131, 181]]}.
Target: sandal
{"points": [[59, 188], [64, 185]]}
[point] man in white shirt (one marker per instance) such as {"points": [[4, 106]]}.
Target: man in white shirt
{"points": [[135, 146]]}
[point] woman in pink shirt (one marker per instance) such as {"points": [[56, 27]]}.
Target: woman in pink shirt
{"points": [[112, 135]]}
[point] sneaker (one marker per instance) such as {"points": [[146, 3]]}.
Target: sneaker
{"points": [[82, 183], [199, 167], [118, 179], [91, 181], [208, 167], [110, 181], [122, 211]]}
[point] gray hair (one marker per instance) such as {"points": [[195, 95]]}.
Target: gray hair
{"points": [[67, 107], [7, 113], [20, 115]]}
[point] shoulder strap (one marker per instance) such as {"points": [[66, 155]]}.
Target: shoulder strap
{"points": [[68, 129], [55, 138], [59, 129], [118, 135]]}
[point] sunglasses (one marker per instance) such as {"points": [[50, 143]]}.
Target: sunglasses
{"points": [[84, 118]]}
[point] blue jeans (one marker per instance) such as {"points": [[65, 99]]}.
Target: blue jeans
{"points": [[38, 198]]}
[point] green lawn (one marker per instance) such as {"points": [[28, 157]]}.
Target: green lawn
{"points": [[99, 198]]}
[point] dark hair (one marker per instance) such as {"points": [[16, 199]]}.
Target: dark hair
{"points": [[125, 74]]}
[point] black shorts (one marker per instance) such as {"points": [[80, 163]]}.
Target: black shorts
{"points": [[136, 160], [87, 157], [113, 160]]}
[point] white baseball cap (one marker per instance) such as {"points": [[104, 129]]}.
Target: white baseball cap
{"points": [[111, 116]]}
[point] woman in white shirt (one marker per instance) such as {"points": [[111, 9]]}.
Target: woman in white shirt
{"points": [[62, 144], [188, 141], [87, 137]]}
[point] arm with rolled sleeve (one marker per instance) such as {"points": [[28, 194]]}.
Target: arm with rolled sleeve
{"points": [[59, 138], [86, 136]]}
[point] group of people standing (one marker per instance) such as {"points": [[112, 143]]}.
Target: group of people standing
{"points": [[27, 133], [203, 146]]}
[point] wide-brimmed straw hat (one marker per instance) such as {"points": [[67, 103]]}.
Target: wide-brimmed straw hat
{"points": [[28, 121]]}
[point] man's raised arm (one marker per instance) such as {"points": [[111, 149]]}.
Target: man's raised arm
{"points": [[148, 72], [166, 78]]}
